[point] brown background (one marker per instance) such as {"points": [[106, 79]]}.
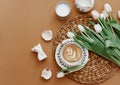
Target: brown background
{"points": [[21, 24]]}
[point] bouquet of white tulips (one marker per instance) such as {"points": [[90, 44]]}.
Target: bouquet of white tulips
{"points": [[104, 40]]}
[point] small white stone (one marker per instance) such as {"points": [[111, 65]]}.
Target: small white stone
{"points": [[46, 73], [60, 74], [47, 35]]}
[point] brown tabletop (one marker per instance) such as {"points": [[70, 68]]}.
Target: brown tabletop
{"points": [[21, 24]]}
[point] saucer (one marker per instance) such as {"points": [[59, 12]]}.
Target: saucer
{"points": [[62, 63]]}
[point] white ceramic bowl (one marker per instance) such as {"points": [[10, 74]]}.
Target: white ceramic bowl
{"points": [[47, 35], [46, 73]]}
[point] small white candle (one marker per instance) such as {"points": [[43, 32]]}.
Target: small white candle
{"points": [[63, 9], [84, 5]]}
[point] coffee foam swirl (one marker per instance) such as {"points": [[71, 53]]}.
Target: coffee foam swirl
{"points": [[72, 53]]}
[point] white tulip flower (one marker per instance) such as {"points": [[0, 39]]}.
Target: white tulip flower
{"points": [[119, 14], [70, 35], [81, 28], [102, 16], [105, 13], [98, 28], [95, 14], [60, 74], [107, 8]]}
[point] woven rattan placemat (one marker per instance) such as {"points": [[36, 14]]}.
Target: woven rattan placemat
{"points": [[97, 69]]}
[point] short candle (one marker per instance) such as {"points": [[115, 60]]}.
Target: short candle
{"points": [[63, 9]]}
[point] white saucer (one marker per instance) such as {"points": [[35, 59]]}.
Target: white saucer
{"points": [[61, 63]]}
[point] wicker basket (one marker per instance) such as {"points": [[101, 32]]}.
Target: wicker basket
{"points": [[97, 69]]}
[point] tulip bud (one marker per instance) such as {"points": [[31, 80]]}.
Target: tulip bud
{"points": [[95, 14], [119, 14], [98, 28], [81, 28], [107, 8], [105, 13], [102, 16], [60, 75], [70, 35]]}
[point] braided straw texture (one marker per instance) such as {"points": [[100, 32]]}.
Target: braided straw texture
{"points": [[97, 69]]}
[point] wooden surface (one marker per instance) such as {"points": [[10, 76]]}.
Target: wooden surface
{"points": [[21, 24]]}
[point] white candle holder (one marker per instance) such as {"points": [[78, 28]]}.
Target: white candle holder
{"points": [[63, 9]]}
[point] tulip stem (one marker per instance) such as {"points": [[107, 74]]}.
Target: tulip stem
{"points": [[101, 23], [89, 37], [113, 31], [102, 36], [92, 23], [111, 18]]}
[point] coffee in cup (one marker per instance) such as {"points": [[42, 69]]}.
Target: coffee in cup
{"points": [[72, 53]]}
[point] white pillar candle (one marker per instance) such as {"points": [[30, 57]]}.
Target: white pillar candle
{"points": [[63, 9]]}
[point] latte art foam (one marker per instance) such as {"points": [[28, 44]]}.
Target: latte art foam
{"points": [[72, 53]]}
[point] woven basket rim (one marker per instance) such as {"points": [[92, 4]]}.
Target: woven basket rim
{"points": [[91, 73]]}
